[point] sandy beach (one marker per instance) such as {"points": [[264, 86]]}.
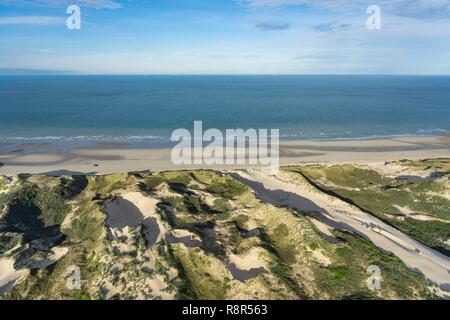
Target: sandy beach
{"points": [[111, 158], [280, 190]]}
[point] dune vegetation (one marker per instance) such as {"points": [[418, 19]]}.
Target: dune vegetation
{"points": [[204, 235], [417, 203]]}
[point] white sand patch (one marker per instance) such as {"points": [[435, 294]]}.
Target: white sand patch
{"points": [[10, 183], [123, 248], [181, 233], [8, 275], [394, 170], [444, 194], [145, 204], [119, 243], [422, 217], [117, 267], [404, 210], [252, 259], [158, 286], [151, 259], [58, 253], [439, 292], [321, 258], [208, 199], [322, 227], [318, 255], [121, 233], [111, 290], [172, 273], [251, 224], [163, 191], [390, 169], [67, 222]]}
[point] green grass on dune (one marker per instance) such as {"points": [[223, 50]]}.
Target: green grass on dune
{"points": [[35, 212], [437, 165], [103, 185], [385, 197], [217, 209], [3, 182], [347, 277]]}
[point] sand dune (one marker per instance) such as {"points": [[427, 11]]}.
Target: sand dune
{"points": [[8, 275], [295, 193]]}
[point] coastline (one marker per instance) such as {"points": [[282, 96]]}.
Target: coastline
{"points": [[282, 190], [106, 158]]}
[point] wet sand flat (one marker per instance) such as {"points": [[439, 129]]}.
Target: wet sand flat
{"points": [[105, 159]]}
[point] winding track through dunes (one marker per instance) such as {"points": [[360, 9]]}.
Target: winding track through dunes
{"points": [[284, 190]]}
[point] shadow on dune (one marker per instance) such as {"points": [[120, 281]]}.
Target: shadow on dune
{"points": [[286, 199]]}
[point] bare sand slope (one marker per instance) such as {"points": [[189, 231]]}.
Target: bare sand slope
{"points": [[9, 275], [296, 193]]}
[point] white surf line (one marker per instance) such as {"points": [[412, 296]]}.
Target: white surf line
{"points": [[416, 256]]}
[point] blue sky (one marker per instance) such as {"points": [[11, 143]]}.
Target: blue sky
{"points": [[226, 37]]}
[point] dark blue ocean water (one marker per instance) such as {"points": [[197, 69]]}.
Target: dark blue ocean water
{"points": [[148, 108]]}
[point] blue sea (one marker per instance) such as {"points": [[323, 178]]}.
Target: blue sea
{"points": [[145, 109]]}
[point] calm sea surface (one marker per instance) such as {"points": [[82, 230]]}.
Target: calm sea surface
{"points": [[145, 109]]}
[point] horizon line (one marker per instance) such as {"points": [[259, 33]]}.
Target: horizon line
{"points": [[62, 74]]}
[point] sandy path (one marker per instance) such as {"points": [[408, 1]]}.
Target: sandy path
{"points": [[282, 191]]}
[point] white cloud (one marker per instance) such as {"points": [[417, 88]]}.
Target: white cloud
{"points": [[97, 4], [271, 26], [423, 9], [31, 20]]}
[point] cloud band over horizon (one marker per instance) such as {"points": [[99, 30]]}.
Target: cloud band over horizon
{"points": [[97, 4], [423, 9], [226, 36]]}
